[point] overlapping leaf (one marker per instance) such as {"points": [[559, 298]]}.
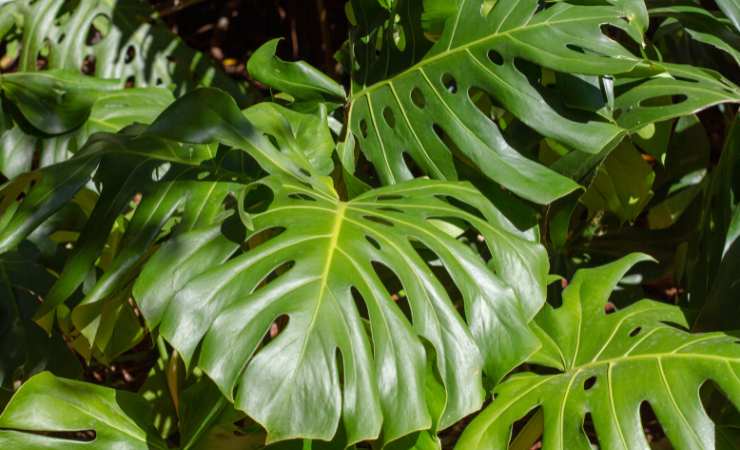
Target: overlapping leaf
{"points": [[428, 111], [175, 180], [701, 25], [609, 364], [118, 39], [325, 270], [24, 348], [65, 108]]}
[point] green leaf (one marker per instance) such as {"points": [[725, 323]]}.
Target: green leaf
{"points": [[55, 101], [693, 89], [50, 412], [129, 45], [184, 183], [208, 116], [609, 364], [703, 26], [622, 184], [299, 79], [24, 347], [16, 152], [714, 252], [667, 212], [401, 113], [423, 108], [78, 106], [731, 10], [223, 303], [306, 137]]}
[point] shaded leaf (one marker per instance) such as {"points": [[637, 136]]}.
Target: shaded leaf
{"points": [[622, 184]]}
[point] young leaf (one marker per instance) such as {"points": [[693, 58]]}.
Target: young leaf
{"points": [[608, 365], [299, 79]]}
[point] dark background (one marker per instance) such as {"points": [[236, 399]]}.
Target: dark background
{"points": [[230, 30]]}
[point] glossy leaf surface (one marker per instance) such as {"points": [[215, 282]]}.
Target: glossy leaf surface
{"points": [[608, 364], [50, 412], [329, 271], [429, 112]]}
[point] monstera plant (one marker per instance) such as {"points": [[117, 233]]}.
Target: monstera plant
{"points": [[445, 252]]}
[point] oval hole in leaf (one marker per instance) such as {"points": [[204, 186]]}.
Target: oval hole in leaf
{"points": [[495, 57], [281, 269], [78, 436], [88, 65], [301, 196], [524, 432], [393, 286], [360, 305], [411, 165], [390, 209], [130, 54], [716, 403], [257, 199], [373, 242], [590, 431], [98, 29], [379, 220], [661, 102], [589, 383], [418, 98], [263, 236], [635, 332], [653, 429], [440, 271], [389, 117], [449, 83], [276, 327]]}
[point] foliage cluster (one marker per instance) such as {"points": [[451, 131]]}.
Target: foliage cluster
{"points": [[444, 253]]}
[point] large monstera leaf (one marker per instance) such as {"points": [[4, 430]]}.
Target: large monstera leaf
{"points": [[118, 39], [50, 413], [609, 364], [427, 108], [331, 267]]}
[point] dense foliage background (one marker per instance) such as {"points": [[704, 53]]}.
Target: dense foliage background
{"points": [[408, 224]]}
